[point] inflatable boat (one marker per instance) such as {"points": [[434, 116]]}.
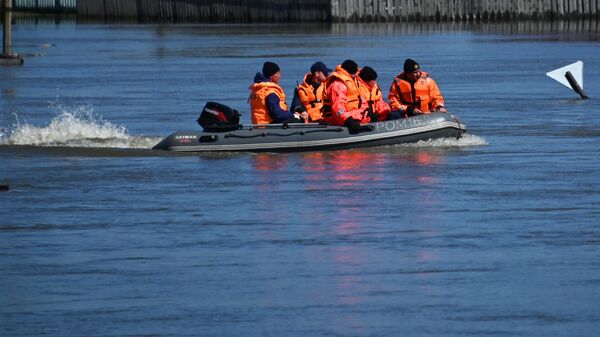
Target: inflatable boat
{"points": [[314, 137]]}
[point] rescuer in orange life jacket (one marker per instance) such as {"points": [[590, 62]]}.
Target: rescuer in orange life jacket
{"points": [[308, 95], [413, 92], [372, 98], [267, 99], [341, 100]]}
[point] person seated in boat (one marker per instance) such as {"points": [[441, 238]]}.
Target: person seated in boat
{"points": [[341, 99], [267, 99], [308, 95], [413, 92], [375, 108]]}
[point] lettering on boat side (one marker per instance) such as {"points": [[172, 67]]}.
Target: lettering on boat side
{"points": [[388, 125], [184, 139], [403, 123]]}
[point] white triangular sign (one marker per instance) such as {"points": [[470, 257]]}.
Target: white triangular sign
{"points": [[576, 70]]}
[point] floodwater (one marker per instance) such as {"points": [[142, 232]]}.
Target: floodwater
{"points": [[495, 234]]}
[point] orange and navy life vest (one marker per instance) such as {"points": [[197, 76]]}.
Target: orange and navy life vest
{"points": [[353, 96], [311, 97], [370, 95], [423, 94], [258, 105]]}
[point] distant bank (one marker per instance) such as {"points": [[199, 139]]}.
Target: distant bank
{"points": [[280, 11]]}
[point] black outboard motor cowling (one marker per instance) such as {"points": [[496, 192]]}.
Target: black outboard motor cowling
{"points": [[216, 117]]}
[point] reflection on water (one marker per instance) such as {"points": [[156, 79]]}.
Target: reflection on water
{"points": [[269, 162], [576, 25], [46, 19], [514, 27], [589, 27], [353, 168]]}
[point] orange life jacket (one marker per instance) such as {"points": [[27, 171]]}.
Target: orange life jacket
{"points": [[311, 97], [352, 93], [258, 105], [370, 95], [425, 96]]}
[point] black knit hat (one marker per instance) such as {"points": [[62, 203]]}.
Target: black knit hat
{"points": [[350, 66], [368, 74], [411, 66], [269, 69]]}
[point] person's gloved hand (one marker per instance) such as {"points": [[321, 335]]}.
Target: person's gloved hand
{"points": [[352, 125], [396, 114], [366, 127], [412, 111], [372, 115]]}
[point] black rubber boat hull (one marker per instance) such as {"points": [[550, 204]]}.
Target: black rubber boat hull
{"points": [[312, 137]]}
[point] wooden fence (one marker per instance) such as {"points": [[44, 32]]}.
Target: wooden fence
{"points": [[222, 11], [460, 10], [274, 11], [45, 6], [578, 27]]}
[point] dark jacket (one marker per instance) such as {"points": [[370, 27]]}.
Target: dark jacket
{"points": [[297, 103], [275, 111]]}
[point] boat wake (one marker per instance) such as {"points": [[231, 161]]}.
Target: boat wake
{"points": [[466, 140], [79, 128], [79, 131]]}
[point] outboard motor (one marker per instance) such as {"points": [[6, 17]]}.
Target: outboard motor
{"points": [[216, 117]]}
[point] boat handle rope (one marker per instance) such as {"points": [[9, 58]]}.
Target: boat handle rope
{"points": [[460, 133], [264, 134]]}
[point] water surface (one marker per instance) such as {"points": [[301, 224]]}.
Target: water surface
{"points": [[492, 234]]}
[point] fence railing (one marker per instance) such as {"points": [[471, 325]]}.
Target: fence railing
{"points": [[216, 11], [461, 10], [222, 11], [45, 6]]}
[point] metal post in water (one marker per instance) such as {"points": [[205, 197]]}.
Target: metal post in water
{"points": [[7, 57], [575, 85], [6, 8]]}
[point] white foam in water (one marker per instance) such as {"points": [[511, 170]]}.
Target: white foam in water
{"points": [[465, 140], [77, 127]]}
